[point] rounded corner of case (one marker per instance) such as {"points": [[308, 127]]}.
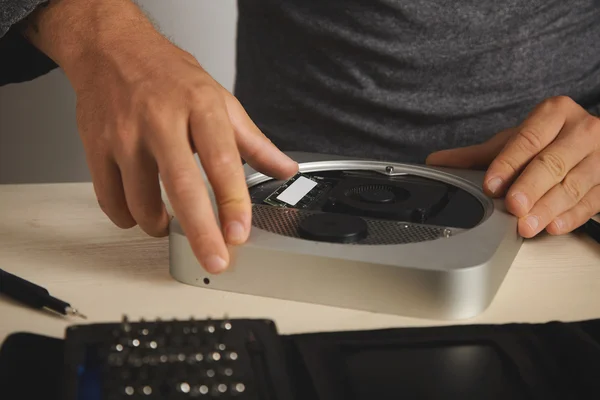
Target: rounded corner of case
{"points": [[175, 227]]}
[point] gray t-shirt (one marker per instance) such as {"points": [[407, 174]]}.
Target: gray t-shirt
{"points": [[393, 79], [398, 79]]}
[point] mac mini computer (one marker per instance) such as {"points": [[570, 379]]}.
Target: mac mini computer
{"points": [[384, 237]]}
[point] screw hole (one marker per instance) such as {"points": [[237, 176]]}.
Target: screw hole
{"points": [[206, 281]]}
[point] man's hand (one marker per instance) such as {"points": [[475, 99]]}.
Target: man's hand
{"points": [[548, 167], [144, 107]]}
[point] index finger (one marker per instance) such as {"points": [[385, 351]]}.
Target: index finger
{"points": [[254, 146], [538, 130]]}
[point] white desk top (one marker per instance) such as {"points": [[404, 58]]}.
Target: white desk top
{"points": [[57, 237]]}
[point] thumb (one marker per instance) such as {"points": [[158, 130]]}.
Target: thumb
{"points": [[254, 147], [478, 156]]}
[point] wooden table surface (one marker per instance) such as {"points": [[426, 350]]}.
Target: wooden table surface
{"points": [[56, 236]]}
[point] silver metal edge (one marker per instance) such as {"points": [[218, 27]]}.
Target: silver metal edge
{"points": [[454, 300]]}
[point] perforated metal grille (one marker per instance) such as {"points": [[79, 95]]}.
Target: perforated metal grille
{"points": [[285, 221]]}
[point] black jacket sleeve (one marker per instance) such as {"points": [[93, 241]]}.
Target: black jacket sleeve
{"points": [[19, 60]]}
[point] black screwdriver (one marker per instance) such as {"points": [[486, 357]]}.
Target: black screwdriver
{"points": [[33, 295]]}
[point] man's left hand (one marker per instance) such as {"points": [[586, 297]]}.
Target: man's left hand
{"points": [[548, 168]]}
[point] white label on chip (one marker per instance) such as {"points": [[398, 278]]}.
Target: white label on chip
{"points": [[297, 190]]}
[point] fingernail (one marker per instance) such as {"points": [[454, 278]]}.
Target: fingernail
{"points": [[532, 221], [494, 184], [235, 233], [560, 224], [521, 199], [214, 264]]}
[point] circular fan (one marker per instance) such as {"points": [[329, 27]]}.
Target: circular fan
{"points": [[377, 194]]}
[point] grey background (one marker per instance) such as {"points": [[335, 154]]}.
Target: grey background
{"points": [[38, 134]]}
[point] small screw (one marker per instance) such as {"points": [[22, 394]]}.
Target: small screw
{"points": [[184, 387], [227, 326], [447, 232], [389, 169], [240, 388], [125, 324]]}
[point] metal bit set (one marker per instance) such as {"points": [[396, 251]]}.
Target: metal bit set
{"points": [[175, 360]]}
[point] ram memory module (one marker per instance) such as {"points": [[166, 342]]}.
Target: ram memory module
{"points": [[299, 192]]}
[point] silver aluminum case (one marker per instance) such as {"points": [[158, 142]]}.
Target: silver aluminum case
{"points": [[450, 278]]}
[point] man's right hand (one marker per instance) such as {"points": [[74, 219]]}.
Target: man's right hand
{"points": [[144, 107]]}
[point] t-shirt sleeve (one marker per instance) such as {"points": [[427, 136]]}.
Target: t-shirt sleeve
{"points": [[20, 61]]}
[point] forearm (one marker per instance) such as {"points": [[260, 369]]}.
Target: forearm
{"points": [[79, 34]]}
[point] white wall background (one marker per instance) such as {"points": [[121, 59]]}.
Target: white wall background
{"points": [[38, 135]]}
